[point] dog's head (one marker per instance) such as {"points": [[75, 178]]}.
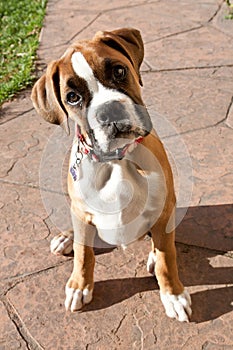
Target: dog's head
{"points": [[97, 84]]}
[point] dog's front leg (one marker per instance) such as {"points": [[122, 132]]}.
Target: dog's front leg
{"points": [[162, 259], [79, 288]]}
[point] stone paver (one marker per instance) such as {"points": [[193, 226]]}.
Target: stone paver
{"points": [[9, 338], [188, 87]]}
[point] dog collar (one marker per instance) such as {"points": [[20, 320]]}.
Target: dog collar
{"points": [[83, 148]]}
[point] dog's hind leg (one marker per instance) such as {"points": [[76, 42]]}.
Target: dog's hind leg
{"points": [[150, 266], [62, 244]]}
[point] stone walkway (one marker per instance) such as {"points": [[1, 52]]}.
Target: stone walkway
{"points": [[188, 87]]}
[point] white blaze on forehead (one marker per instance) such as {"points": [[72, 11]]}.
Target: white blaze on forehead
{"points": [[84, 71], [101, 94], [105, 95]]}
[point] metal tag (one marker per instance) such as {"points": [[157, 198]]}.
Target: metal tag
{"points": [[73, 172]]}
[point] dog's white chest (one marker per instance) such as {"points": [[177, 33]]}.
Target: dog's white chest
{"points": [[124, 201]]}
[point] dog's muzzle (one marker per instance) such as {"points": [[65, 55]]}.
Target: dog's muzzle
{"points": [[98, 155], [113, 115], [114, 125], [120, 118]]}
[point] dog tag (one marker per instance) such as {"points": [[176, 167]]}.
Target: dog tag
{"points": [[74, 169], [73, 172]]}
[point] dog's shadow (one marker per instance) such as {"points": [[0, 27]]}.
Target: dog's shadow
{"points": [[213, 297], [211, 304], [114, 291], [208, 268]]}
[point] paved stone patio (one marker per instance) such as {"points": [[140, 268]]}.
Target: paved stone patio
{"points": [[188, 87]]}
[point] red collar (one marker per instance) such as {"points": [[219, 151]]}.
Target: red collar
{"points": [[83, 145]]}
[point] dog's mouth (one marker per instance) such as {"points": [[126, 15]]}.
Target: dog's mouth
{"points": [[115, 149]]}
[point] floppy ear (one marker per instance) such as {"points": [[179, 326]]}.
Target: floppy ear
{"points": [[46, 97], [129, 42]]}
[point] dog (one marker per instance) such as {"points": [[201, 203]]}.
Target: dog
{"points": [[119, 181]]}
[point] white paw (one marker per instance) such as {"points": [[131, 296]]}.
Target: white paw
{"points": [[76, 298], [61, 244], [177, 306], [150, 266]]}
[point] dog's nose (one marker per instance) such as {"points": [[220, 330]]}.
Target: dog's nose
{"points": [[112, 112]]}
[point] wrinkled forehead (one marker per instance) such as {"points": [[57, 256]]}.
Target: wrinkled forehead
{"points": [[96, 53], [87, 64], [93, 58]]}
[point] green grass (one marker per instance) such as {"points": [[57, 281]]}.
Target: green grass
{"points": [[21, 21], [230, 9]]}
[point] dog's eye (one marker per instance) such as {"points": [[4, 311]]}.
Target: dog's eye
{"points": [[73, 99], [119, 72]]}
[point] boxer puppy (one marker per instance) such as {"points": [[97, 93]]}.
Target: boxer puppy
{"points": [[119, 181]]}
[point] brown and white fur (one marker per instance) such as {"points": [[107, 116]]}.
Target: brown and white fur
{"points": [[122, 189]]}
